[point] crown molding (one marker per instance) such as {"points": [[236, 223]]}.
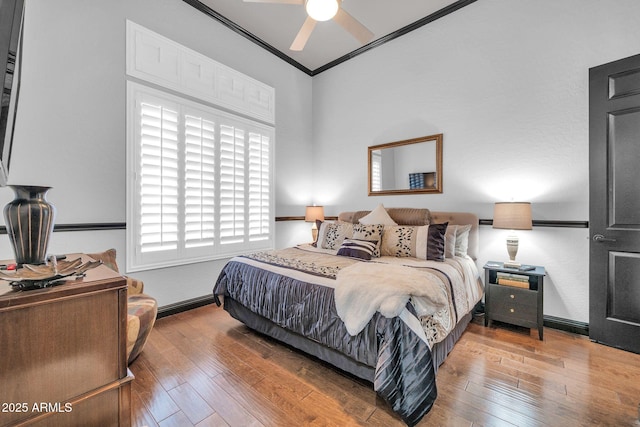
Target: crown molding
{"points": [[378, 42], [248, 35]]}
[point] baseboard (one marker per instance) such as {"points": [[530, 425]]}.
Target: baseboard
{"points": [[186, 305], [566, 325]]}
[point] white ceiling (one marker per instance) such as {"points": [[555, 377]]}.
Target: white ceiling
{"points": [[278, 24]]}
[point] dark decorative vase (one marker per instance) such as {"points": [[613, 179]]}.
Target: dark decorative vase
{"points": [[29, 219]]}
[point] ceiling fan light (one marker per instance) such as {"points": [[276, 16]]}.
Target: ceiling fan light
{"points": [[322, 10]]}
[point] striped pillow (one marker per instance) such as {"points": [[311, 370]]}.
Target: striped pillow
{"points": [[355, 248], [371, 232]]}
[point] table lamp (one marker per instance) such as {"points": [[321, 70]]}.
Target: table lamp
{"points": [[512, 216], [312, 214]]}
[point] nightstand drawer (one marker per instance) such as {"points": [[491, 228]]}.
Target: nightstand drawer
{"points": [[508, 294], [513, 305]]}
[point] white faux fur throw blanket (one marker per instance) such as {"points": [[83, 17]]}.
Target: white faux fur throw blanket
{"points": [[364, 288]]}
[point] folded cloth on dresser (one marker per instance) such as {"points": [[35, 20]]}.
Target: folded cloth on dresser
{"points": [[363, 289]]}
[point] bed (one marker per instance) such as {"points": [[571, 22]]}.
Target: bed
{"points": [[332, 299]]}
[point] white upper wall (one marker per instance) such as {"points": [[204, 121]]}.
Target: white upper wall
{"points": [[506, 82], [71, 119]]}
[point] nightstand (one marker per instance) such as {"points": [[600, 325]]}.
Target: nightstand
{"points": [[514, 295]]}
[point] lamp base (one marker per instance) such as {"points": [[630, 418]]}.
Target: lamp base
{"points": [[512, 250], [511, 264]]}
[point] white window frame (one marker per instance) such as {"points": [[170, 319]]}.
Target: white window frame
{"points": [[255, 229]]}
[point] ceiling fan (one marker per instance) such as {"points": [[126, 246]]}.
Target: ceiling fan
{"points": [[323, 10]]}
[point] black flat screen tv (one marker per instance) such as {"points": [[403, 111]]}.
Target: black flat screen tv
{"points": [[11, 17]]}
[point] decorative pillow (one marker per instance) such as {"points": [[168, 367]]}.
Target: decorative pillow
{"points": [[356, 248], [402, 240], [435, 241], [462, 240], [450, 241], [108, 258], [377, 216], [456, 240], [372, 232], [332, 234], [424, 242]]}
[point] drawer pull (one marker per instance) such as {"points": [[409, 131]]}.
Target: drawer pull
{"points": [[512, 296], [512, 310]]}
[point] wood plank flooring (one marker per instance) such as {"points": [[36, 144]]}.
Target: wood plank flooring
{"points": [[203, 368]]}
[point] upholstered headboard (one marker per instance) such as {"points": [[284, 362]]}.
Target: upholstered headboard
{"points": [[417, 216]]}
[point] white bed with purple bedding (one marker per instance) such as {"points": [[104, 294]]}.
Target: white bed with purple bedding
{"points": [[383, 302]]}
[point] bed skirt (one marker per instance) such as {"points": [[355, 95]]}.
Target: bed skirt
{"points": [[265, 326]]}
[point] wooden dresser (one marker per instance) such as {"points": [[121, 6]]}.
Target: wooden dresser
{"points": [[63, 353]]}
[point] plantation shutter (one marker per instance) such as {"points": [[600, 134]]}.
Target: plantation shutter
{"points": [[200, 182], [259, 188], [232, 177], [158, 178], [199, 195]]}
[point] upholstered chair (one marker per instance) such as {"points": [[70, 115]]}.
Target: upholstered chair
{"points": [[142, 309]]}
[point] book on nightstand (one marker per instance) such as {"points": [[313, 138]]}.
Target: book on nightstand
{"points": [[510, 279]]}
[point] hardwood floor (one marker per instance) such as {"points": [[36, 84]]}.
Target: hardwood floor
{"points": [[203, 368]]}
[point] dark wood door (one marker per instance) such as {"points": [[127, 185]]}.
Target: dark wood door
{"points": [[614, 206]]}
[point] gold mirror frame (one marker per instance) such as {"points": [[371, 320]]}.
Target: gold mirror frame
{"points": [[435, 188]]}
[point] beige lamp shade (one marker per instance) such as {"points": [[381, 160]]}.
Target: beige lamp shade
{"points": [[314, 213], [512, 215]]}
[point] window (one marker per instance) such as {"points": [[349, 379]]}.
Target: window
{"points": [[376, 170], [199, 185]]}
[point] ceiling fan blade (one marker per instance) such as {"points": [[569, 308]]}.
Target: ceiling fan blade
{"points": [[353, 26], [276, 1], [303, 34]]}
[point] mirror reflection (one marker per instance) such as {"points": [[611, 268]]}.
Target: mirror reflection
{"points": [[409, 166]]}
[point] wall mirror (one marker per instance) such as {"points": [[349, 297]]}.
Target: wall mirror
{"points": [[406, 167]]}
